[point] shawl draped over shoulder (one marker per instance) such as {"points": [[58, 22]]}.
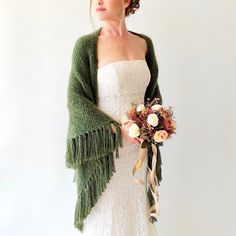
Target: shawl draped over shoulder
{"points": [[90, 143]]}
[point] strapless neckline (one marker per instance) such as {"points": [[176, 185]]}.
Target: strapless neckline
{"points": [[121, 62]]}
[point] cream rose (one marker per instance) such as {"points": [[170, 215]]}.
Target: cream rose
{"points": [[160, 136], [156, 107], [140, 107], [134, 131], [152, 119]]}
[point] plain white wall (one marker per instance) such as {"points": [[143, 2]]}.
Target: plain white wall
{"points": [[195, 47]]}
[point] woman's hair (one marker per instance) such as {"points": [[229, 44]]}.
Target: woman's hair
{"points": [[131, 9], [133, 6]]}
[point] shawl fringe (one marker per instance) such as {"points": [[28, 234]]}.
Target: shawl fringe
{"points": [[93, 144], [96, 184], [96, 144]]}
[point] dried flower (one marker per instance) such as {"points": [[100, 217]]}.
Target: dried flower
{"points": [[152, 119], [134, 131], [156, 107], [140, 107], [160, 136]]}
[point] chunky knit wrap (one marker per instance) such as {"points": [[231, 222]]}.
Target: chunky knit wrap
{"points": [[91, 143]]}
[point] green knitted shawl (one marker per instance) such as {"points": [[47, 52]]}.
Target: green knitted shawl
{"points": [[90, 142]]}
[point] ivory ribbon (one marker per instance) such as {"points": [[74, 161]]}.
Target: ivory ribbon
{"points": [[151, 178]]}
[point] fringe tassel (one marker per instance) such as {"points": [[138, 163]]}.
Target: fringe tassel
{"points": [[93, 144], [94, 187]]}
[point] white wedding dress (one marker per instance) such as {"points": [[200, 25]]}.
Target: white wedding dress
{"points": [[122, 209]]}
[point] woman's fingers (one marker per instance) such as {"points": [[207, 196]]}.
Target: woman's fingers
{"points": [[135, 141], [113, 128]]}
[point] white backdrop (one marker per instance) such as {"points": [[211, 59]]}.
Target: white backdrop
{"points": [[195, 47]]}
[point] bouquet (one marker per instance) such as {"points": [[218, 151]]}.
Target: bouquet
{"points": [[151, 124]]}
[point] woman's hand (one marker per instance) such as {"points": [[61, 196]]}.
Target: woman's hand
{"points": [[125, 134], [113, 129]]}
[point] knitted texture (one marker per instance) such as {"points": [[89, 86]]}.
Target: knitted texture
{"points": [[90, 143]]}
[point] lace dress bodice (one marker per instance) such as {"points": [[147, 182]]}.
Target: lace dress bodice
{"points": [[121, 83], [122, 209]]}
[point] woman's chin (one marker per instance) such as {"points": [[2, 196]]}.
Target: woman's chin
{"points": [[101, 18]]}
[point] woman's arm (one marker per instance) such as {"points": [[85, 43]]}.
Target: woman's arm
{"points": [[89, 132], [152, 90]]}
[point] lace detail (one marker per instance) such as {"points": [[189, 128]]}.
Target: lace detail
{"points": [[122, 208]]}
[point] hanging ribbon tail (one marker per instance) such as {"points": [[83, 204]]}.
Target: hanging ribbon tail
{"points": [[152, 183], [142, 155]]}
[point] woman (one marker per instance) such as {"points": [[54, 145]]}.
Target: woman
{"points": [[111, 68]]}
